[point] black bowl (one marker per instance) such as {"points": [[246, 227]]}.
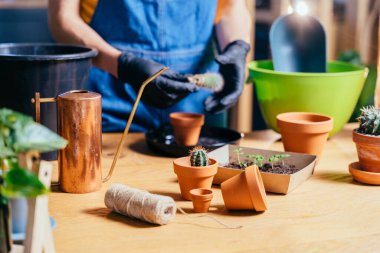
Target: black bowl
{"points": [[163, 142]]}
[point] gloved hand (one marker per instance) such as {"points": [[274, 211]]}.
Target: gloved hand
{"points": [[164, 91], [232, 68]]}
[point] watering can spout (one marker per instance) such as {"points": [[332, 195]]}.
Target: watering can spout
{"points": [[126, 130]]}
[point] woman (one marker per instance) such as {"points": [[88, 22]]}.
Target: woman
{"points": [[135, 38]]}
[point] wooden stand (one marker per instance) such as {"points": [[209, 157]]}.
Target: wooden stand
{"points": [[39, 237]]}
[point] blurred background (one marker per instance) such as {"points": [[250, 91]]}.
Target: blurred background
{"points": [[351, 27]]}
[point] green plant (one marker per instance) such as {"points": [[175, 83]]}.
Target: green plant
{"points": [[256, 159], [369, 120], [277, 158], [20, 134], [367, 94], [198, 157], [239, 152]]}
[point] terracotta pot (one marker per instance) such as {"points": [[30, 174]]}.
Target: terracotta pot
{"points": [[304, 132], [193, 177], [201, 199], [187, 127], [368, 149], [245, 191]]}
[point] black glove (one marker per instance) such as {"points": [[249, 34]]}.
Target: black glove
{"points": [[164, 91], [232, 68]]}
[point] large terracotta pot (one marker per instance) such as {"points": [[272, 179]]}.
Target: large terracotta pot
{"points": [[245, 191], [304, 132], [187, 127], [368, 149], [190, 177]]}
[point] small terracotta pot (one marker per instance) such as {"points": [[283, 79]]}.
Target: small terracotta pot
{"points": [[245, 191], [190, 177], [187, 127], [304, 132], [201, 199], [368, 149]]}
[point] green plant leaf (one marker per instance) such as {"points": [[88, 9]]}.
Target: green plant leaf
{"points": [[19, 182], [37, 137], [277, 157], [367, 95], [19, 133], [351, 56]]}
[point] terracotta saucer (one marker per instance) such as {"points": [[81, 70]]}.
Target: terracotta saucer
{"points": [[363, 176]]}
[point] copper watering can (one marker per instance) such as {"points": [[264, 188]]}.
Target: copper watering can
{"points": [[79, 118]]}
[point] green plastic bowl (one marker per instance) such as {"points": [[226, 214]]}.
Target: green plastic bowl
{"points": [[334, 93]]}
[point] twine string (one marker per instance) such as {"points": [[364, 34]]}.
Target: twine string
{"points": [[209, 217]]}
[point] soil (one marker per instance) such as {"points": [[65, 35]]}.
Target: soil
{"points": [[266, 167]]}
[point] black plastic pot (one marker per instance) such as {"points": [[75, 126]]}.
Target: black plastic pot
{"points": [[50, 69]]}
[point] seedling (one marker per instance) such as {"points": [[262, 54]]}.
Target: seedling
{"points": [[239, 152], [277, 158], [256, 159]]}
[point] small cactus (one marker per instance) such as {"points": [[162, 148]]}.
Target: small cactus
{"points": [[369, 121], [212, 81], [198, 157]]}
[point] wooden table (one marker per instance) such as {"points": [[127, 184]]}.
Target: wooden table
{"points": [[329, 212]]}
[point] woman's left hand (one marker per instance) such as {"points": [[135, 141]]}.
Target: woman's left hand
{"points": [[232, 67]]}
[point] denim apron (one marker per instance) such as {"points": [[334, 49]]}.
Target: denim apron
{"points": [[175, 33]]}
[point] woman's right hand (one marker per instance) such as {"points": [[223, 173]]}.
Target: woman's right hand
{"points": [[164, 91]]}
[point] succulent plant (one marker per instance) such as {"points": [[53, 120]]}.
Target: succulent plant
{"points": [[212, 81], [369, 120], [198, 157]]}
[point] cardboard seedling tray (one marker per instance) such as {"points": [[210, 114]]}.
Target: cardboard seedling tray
{"points": [[276, 183]]}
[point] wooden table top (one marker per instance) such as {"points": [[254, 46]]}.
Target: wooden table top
{"points": [[329, 212]]}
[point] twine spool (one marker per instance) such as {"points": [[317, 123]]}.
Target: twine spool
{"points": [[148, 207], [140, 204]]}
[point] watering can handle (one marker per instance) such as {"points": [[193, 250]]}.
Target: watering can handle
{"points": [[38, 100], [126, 130]]}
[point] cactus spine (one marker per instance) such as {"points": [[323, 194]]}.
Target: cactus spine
{"points": [[369, 121], [198, 157]]}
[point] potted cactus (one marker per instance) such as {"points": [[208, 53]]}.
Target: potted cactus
{"points": [[19, 134], [195, 171], [367, 139]]}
